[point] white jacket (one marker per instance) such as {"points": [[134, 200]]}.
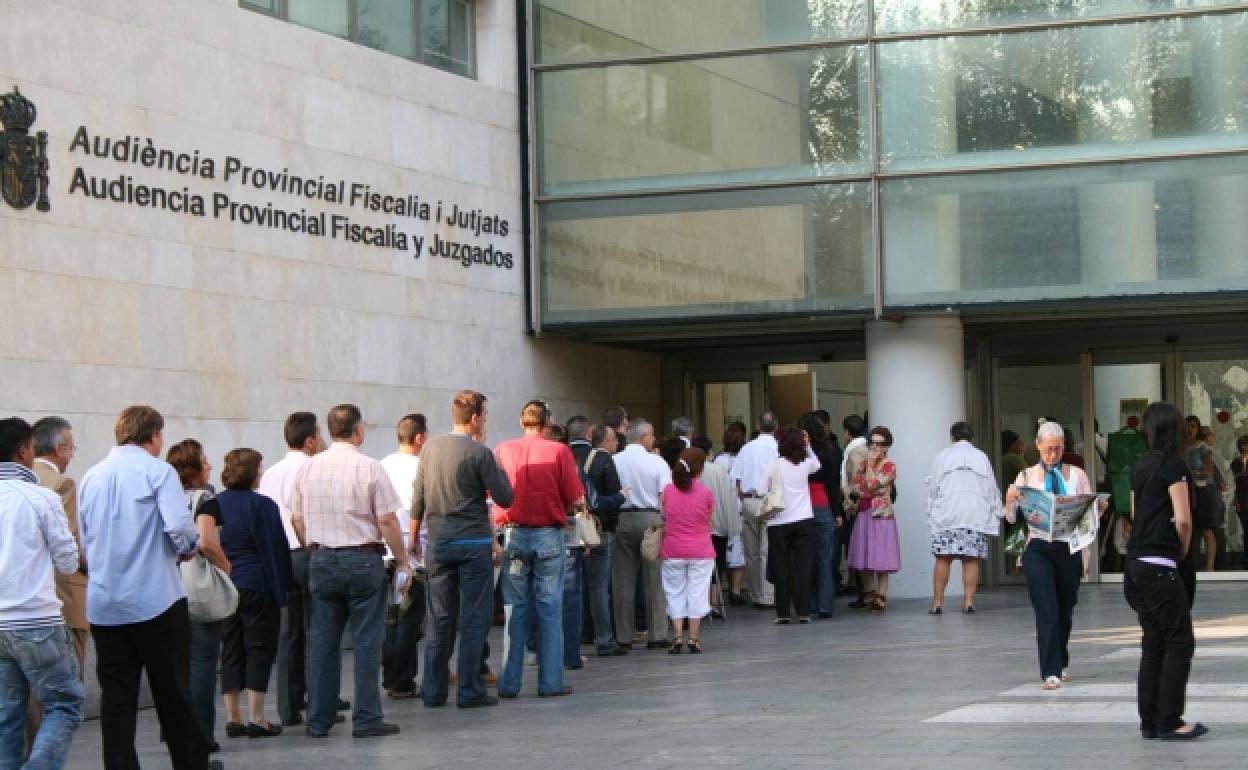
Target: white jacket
{"points": [[962, 491]]}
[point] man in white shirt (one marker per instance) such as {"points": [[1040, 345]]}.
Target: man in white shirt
{"points": [[405, 621], [34, 539], [644, 475], [750, 472], [303, 441]]}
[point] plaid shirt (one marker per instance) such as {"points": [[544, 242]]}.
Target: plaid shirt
{"points": [[340, 494]]}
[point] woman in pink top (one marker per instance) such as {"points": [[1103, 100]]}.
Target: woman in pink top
{"points": [[687, 552]]}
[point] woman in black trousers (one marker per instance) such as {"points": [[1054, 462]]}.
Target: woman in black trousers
{"points": [[255, 541], [1052, 569], [1161, 536]]}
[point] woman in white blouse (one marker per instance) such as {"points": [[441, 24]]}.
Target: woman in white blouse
{"points": [[791, 533]]}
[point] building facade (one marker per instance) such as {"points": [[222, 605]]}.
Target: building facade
{"points": [[256, 208], [995, 210]]}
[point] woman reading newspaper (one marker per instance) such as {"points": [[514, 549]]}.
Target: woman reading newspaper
{"points": [[1052, 568], [1161, 535]]}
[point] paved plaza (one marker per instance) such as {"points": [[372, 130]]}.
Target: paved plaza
{"points": [[898, 690]]}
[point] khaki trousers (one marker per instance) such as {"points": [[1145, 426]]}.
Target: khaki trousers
{"points": [[754, 538]]}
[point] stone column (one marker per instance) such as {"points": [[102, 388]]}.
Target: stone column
{"points": [[916, 386]]}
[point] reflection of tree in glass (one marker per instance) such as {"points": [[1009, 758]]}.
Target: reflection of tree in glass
{"points": [[371, 36]]}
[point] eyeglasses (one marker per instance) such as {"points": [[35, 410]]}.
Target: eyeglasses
{"points": [[880, 443]]}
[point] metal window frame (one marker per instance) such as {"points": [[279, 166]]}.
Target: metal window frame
{"points": [[876, 175], [281, 11]]}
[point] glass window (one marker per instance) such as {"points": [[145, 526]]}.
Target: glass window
{"points": [[900, 16], [388, 26], [1095, 231], [446, 28], [1091, 92], [709, 254], [793, 115], [268, 6], [437, 32], [332, 16], [576, 30]]}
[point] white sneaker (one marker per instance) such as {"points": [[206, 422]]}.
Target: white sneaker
{"points": [[530, 659]]}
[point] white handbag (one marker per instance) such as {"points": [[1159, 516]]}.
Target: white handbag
{"points": [[773, 502], [210, 594]]}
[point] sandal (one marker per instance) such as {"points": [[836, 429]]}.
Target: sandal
{"points": [[1052, 683], [878, 604], [694, 647], [676, 647]]}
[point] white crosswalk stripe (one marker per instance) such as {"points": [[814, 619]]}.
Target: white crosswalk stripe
{"points": [[1126, 653], [1083, 712], [1106, 702]]}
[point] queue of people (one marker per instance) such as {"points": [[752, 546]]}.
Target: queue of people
{"points": [[650, 533]]}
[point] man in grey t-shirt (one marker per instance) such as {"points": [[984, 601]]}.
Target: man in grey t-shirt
{"points": [[456, 471]]}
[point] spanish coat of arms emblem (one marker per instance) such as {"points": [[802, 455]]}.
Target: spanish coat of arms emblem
{"points": [[23, 158]]}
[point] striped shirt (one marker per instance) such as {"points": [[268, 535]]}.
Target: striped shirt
{"points": [[34, 538]]}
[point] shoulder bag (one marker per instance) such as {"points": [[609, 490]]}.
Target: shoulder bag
{"points": [[210, 594], [773, 502]]}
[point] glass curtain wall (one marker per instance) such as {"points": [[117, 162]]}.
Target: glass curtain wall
{"points": [[725, 157]]}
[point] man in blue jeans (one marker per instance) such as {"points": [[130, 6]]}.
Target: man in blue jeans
{"points": [[456, 472], [342, 507], [544, 475], [32, 632]]}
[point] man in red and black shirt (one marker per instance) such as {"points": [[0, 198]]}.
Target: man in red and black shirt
{"points": [[544, 476]]}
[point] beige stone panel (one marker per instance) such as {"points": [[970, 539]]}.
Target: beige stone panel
{"points": [[414, 352], [221, 396], [253, 324], [268, 107], [212, 348], [112, 322], [270, 43], [53, 304], [162, 328], [327, 117], [169, 263], [378, 348]]}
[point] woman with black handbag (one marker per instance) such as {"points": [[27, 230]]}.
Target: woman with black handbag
{"points": [[1161, 536]]}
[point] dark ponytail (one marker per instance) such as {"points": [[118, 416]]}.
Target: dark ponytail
{"points": [[687, 468]]}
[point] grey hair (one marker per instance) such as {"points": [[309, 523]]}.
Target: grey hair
{"points": [[578, 427], [768, 422], [50, 435], [682, 426], [1051, 430], [638, 428]]}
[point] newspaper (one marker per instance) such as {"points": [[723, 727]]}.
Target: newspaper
{"points": [[1070, 518]]}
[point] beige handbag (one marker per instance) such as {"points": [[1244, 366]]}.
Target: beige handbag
{"points": [[773, 502], [652, 542]]}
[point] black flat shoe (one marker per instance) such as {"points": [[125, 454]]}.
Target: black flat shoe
{"points": [[610, 652], [1148, 733], [260, 731], [936, 611], [214, 747], [969, 610], [343, 705], [1176, 735], [385, 728], [235, 729]]}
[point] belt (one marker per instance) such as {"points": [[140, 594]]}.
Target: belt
{"points": [[639, 510], [752, 496], [376, 548]]}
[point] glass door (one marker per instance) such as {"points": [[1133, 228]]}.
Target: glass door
{"points": [[1214, 391], [1027, 392]]}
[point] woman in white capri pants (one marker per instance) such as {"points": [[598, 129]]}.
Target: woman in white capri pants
{"points": [[687, 552]]}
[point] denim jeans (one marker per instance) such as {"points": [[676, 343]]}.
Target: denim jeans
{"points": [[205, 654], [1053, 574], [345, 587], [460, 591], [1159, 599], [597, 572], [572, 566], [533, 572], [826, 552], [39, 661]]}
